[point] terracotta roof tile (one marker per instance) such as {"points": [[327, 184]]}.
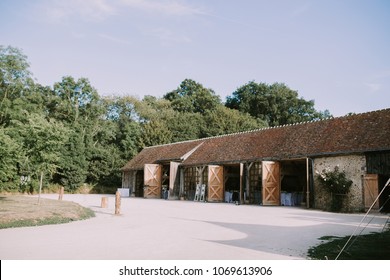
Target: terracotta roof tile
{"points": [[169, 152]]}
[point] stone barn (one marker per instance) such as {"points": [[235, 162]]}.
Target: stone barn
{"points": [[271, 166]]}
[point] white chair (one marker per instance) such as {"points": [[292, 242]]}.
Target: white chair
{"points": [[197, 193], [203, 193]]}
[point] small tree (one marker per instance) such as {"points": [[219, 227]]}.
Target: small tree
{"points": [[45, 137], [336, 184]]}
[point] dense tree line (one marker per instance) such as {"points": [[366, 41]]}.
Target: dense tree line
{"points": [[68, 135]]}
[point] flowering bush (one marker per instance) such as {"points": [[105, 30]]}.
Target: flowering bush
{"points": [[337, 184], [335, 181]]}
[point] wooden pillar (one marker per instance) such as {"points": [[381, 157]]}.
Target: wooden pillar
{"points": [[61, 193], [181, 182], [200, 171], [242, 197], [117, 203], [104, 202], [134, 183], [307, 183], [247, 183]]}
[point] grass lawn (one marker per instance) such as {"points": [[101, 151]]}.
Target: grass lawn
{"points": [[24, 211], [374, 246]]}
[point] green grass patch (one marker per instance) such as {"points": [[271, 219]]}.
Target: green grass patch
{"points": [[374, 246]]}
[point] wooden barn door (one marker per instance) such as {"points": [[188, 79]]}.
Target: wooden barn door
{"points": [[152, 180], [215, 183], [271, 183], [370, 182]]}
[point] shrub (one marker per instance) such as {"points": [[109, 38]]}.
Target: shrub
{"points": [[335, 181], [337, 185]]}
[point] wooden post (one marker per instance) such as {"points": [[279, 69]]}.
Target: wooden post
{"points": [[242, 198], [250, 195], [117, 203], [307, 183], [61, 194], [104, 202]]}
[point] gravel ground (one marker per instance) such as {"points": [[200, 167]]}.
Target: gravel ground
{"points": [[153, 229]]}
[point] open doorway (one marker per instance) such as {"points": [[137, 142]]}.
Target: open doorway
{"points": [[139, 184], [293, 182], [232, 183]]}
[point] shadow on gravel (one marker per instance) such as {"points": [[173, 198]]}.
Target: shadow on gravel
{"points": [[288, 241]]}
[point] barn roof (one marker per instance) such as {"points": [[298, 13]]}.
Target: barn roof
{"points": [[355, 133], [162, 153]]}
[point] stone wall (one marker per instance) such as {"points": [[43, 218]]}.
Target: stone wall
{"points": [[354, 167]]}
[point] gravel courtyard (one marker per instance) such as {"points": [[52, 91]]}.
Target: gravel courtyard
{"points": [[149, 229]]}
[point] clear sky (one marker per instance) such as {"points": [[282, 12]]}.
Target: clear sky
{"points": [[336, 52]]}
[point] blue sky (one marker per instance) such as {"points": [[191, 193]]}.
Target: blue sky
{"points": [[334, 52]]}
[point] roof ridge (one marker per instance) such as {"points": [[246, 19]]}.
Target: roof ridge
{"points": [[174, 143]]}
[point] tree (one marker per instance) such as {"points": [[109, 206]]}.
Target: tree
{"points": [[185, 126], [276, 104], [224, 121], [77, 104], [156, 132], [192, 97], [15, 79], [73, 165], [153, 108], [75, 101], [122, 112], [42, 140]]}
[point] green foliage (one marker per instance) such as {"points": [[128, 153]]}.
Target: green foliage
{"points": [[223, 120], [15, 80], [104, 167], [192, 97], [72, 170], [275, 104], [14, 66], [334, 181], [10, 154], [42, 141], [75, 101], [124, 118], [186, 126], [337, 185], [156, 132]]}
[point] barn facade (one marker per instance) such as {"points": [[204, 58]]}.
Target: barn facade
{"points": [[271, 166]]}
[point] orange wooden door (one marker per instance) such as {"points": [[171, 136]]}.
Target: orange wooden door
{"points": [[271, 183], [152, 180], [370, 182], [215, 182]]}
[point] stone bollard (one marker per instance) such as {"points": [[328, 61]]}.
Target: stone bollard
{"points": [[117, 203], [61, 193], [104, 202]]}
